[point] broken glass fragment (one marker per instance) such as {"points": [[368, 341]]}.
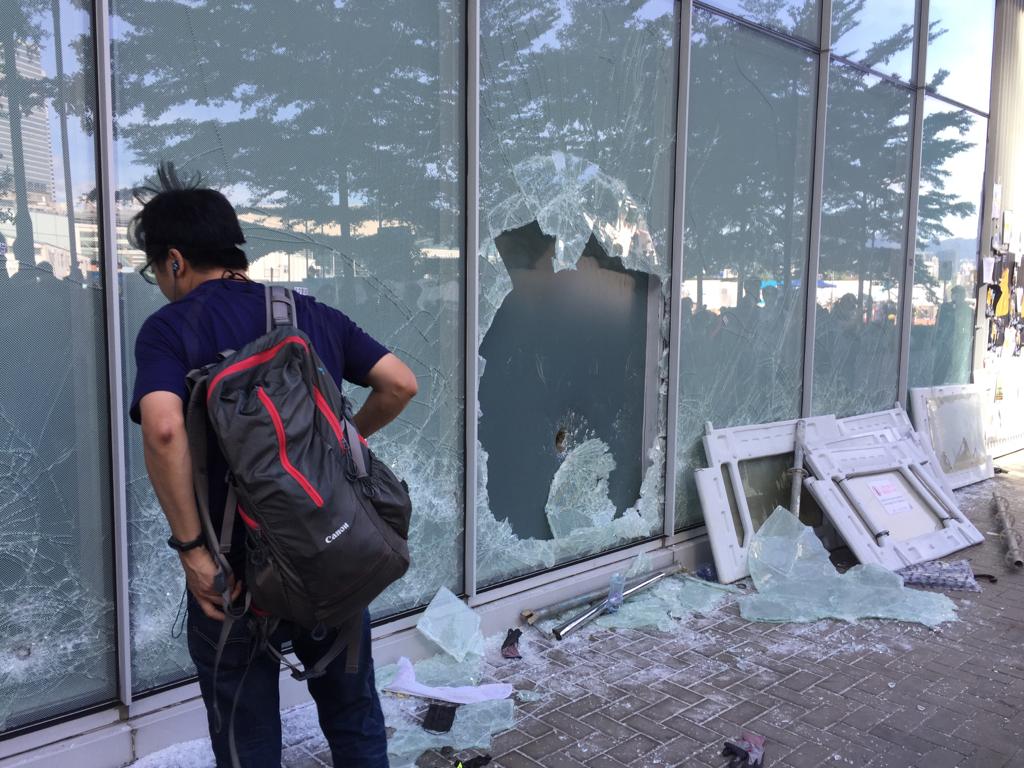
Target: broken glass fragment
{"points": [[797, 582], [473, 727], [452, 625], [578, 497], [658, 607]]}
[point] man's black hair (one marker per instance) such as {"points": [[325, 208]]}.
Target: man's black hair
{"points": [[198, 221]]}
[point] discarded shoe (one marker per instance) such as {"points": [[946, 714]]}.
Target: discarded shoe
{"points": [[510, 648], [439, 717], [747, 750]]}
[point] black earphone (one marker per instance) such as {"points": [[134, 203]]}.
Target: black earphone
{"points": [[174, 267]]}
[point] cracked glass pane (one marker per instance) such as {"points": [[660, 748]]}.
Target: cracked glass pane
{"points": [[57, 618], [867, 164], [748, 179], [946, 269], [350, 187], [575, 207]]}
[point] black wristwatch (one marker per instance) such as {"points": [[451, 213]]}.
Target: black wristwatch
{"points": [[185, 546]]}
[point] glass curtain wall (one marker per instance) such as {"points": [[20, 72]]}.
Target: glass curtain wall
{"points": [[799, 18], [57, 618], [748, 183], [863, 230], [953, 168], [577, 104], [946, 267], [337, 133], [960, 51]]}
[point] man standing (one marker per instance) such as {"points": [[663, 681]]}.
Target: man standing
{"points": [[191, 236]]}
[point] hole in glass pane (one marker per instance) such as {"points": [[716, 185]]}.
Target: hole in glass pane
{"points": [[565, 362]]}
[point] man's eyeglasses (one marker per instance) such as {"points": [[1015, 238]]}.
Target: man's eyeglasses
{"points": [[147, 272]]}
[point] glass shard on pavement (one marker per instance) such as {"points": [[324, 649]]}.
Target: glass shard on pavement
{"points": [[797, 582]]}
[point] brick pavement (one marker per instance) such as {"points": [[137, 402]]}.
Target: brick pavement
{"points": [[875, 694]]}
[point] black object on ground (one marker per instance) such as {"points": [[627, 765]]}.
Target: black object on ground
{"points": [[440, 716], [747, 750], [476, 762], [510, 648]]}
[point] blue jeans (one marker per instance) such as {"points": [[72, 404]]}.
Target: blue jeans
{"points": [[347, 704]]}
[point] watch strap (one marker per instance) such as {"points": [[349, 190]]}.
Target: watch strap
{"points": [[185, 546]]}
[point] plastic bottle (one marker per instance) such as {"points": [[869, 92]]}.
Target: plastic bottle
{"points": [[616, 585]]}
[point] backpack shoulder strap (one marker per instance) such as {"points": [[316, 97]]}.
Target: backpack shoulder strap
{"points": [[195, 428], [280, 307]]}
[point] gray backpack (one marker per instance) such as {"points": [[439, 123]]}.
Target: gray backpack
{"points": [[326, 521]]}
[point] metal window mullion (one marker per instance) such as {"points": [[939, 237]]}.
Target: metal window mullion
{"points": [[817, 197], [906, 317], [676, 274], [107, 213], [472, 326]]}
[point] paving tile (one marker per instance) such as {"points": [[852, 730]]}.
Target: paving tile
{"points": [[549, 744], [939, 758], [508, 741], [604, 761], [591, 746], [901, 738], [808, 755], [655, 730], [629, 752], [518, 760]]}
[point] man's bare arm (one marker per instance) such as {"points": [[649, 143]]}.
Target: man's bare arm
{"points": [[393, 385], [165, 446]]}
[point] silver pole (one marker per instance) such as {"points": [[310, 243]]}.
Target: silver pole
{"points": [[563, 631], [471, 247], [906, 317], [798, 472], [817, 194], [676, 279], [107, 178]]}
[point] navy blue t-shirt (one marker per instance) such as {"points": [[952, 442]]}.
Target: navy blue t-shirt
{"points": [[227, 314]]}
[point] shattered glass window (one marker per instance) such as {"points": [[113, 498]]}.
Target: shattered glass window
{"points": [[867, 164], [57, 620], [337, 133], [575, 210], [797, 17], [748, 180], [946, 268], [875, 33]]}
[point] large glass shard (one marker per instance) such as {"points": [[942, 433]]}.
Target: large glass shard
{"points": [[579, 493], [956, 430], [452, 625], [473, 727], [797, 582]]}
